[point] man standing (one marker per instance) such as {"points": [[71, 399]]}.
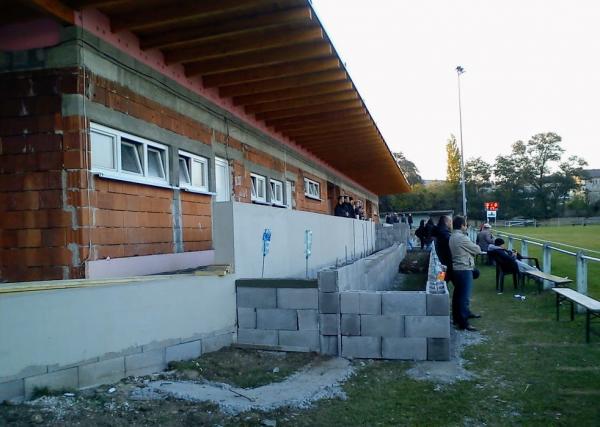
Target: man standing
{"points": [[463, 263], [410, 221], [340, 208]]}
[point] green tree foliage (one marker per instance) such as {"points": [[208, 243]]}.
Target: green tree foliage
{"points": [[411, 172], [453, 160]]}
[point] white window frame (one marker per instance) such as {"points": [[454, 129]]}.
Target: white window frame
{"points": [[254, 191], [273, 184], [307, 186], [191, 160], [118, 172]]}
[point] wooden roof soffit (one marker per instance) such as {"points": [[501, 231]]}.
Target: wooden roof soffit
{"points": [[54, 8]]}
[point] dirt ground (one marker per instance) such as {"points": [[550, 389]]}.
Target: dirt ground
{"points": [[116, 405]]}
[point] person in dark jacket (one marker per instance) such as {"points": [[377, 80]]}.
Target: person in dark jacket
{"points": [[420, 233], [441, 234], [340, 208], [410, 221], [429, 226]]}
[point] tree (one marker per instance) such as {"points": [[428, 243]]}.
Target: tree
{"points": [[411, 172], [563, 183], [453, 160], [477, 181]]}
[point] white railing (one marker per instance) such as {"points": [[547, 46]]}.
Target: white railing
{"points": [[580, 254]]}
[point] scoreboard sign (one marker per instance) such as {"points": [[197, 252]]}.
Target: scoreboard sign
{"points": [[491, 206]]}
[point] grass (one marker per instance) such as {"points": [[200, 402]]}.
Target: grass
{"points": [[564, 265], [530, 370], [245, 368]]}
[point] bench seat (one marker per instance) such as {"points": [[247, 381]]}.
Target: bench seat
{"points": [[592, 306]]}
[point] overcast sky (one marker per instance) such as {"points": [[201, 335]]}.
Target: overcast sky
{"points": [[531, 66]]}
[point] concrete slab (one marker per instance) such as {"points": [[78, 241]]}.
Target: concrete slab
{"points": [[145, 363], [185, 351], [246, 317], [329, 302], [104, 372], [12, 390], [58, 380], [308, 339], [328, 280], [308, 320], [438, 349], [404, 348], [438, 305], [361, 347], [350, 324], [381, 326], [256, 297], [369, 303], [257, 337], [298, 298], [404, 303], [427, 326], [349, 302], [329, 345], [276, 318], [329, 324], [216, 342]]}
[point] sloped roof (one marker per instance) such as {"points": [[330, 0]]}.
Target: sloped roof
{"points": [[273, 58]]}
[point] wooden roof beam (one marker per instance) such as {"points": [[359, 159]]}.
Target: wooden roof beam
{"points": [[293, 82], [54, 8], [233, 45], [304, 111], [302, 102], [176, 13], [256, 59], [271, 71], [323, 124], [317, 118], [291, 93], [224, 28], [326, 130]]}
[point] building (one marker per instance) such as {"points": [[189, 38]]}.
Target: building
{"points": [[591, 185], [137, 140], [122, 126]]}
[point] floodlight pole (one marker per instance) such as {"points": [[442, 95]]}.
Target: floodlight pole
{"points": [[459, 71]]}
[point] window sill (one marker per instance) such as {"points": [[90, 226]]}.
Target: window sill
{"points": [[308, 196], [261, 202], [279, 205], [198, 191], [133, 179]]}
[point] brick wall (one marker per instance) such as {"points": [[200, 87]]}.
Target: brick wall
{"points": [[40, 177], [196, 221]]}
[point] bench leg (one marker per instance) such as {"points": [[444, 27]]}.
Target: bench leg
{"points": [[587, 326], [557, 307], [572, 311]]}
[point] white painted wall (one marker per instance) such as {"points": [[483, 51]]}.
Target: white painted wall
{"points": [[333, 238], [67, 326]]}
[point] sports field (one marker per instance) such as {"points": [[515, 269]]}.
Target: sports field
{"points": [[587, 237]]}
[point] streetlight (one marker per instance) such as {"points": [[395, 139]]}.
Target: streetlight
{"points": [[459, 71]]}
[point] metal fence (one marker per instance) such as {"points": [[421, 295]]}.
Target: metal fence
{"points": [[581, 258]]}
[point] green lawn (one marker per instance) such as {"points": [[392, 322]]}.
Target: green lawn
{"points": [[564, 265], [530, 370]]}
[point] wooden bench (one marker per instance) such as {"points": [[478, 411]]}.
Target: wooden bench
{"points": [[591, 306], [540, 276]]}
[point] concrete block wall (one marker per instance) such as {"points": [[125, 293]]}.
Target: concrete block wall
{"points": [[281, 314], [388, 234]]}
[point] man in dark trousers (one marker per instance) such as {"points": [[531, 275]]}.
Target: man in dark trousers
{"points": [[410, 221]]}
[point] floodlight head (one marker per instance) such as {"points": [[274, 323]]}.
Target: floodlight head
{"points": [[460, 69]]}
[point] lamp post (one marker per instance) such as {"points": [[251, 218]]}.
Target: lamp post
{"points": [[459, 71]]}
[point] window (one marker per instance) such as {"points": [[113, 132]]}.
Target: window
{"points": [[193, 171], [312, 189], [128, 157], [276, 192], [258, 188]]}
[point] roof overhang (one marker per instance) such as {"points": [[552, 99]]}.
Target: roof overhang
{"points": [[270, 57]]}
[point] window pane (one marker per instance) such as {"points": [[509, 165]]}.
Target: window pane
{"points": [[198, 169], [278, 193], [155, 163], [261, 188], [253, 186], [184, 173], [103, 151], [130, 158]]}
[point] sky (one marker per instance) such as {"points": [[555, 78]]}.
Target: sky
{"points": [[530, 66]]}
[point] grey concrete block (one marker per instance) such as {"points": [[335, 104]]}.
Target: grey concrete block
{"points": [[361, 347], [329, 302], [427, 326], [328, 280], [404, 303], [307, 339], [185, 351], [30, 371], [257, 297], [216, 342], [381, 326], [308, 320], [257, 337], [438, 305], [145, 363], [329, 324], [65, 379], [297, 298], [125, 352], [14, 389], [438, 348], [104, 372], [157, 345], [276, 318], [369, 303], [329, 345], [350, 324], [404, 348], [349, 302], [246, 318]]}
